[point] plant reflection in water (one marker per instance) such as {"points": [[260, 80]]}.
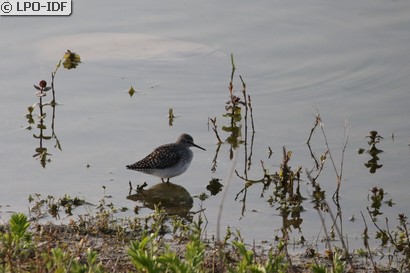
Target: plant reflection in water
{"points": [[373, 151], [70, 60], [42, 151]]}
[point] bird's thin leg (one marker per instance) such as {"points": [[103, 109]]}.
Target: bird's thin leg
{"points": [[167, 180], [162, 179]]}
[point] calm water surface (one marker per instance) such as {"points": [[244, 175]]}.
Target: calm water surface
{"points": [[348, 60]]}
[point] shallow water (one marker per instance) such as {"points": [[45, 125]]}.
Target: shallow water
{"points": [[347, 60]]}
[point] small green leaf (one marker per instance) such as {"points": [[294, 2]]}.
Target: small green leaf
{"points": [[131, 91]]}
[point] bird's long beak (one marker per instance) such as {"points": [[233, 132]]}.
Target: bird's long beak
{"points": [[193, 144]]}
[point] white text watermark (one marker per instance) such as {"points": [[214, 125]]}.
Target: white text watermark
{"points": [[35, 7]]}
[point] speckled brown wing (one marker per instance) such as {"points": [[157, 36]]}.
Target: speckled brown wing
{"points": [[161, 158]]}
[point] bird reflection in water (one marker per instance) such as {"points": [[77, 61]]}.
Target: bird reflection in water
{"points": [[174, 199]]}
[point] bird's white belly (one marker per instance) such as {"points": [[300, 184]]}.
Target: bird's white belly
{"points": [[171, 172]]}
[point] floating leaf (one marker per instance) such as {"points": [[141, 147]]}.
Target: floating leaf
{"points": [[214, 186], [131, 91], [171, 116], [360, 151], [171, 113]]}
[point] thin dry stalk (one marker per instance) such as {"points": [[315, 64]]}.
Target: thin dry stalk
{"points": [[328, 240], [345, 142], [247, 161], [214, 128], [317, 122], [224, 194], [366, 244], [251, 111]]}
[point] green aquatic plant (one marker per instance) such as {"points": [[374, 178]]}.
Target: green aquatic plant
{"points": [[53, 206], [234, 108], [338, 266], [397, 239], [59, 260], [149, 254], [247, 262], [15, 243], [237, 111]]}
